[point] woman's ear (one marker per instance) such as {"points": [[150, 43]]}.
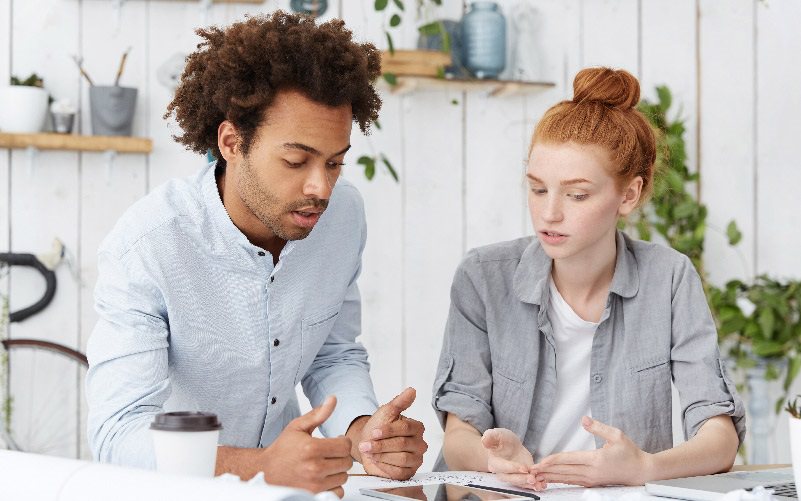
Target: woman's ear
{"points": [[631, 196], [228, 141]]}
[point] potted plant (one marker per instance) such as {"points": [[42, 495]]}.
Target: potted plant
{"points": [[24, 104], [794, 423]]}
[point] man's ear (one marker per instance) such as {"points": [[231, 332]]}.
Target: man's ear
{"points": [[631, 196], [228, 141]]}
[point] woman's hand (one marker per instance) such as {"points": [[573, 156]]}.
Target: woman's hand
{"points": [[507, 457], [618, 462]]}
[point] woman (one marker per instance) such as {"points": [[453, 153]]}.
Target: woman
{"points": [[562, 348]]}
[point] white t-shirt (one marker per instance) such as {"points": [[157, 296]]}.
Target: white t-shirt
{"points": [[573, 337]]}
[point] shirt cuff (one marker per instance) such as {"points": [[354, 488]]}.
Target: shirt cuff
{"points": [[349, 407]]}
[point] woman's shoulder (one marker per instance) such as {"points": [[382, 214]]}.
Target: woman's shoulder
{"points": [[657, 263], [509, 250], [655, 254]]}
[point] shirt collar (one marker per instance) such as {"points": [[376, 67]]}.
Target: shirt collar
{"points": [[220, 217], [534, 270]]}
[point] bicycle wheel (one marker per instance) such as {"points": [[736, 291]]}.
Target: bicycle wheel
{"points": [[48, 414]]}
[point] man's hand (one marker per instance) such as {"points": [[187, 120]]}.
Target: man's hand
{"points": [[618, 462], [296, 459], [507, 457], [389, 444]]}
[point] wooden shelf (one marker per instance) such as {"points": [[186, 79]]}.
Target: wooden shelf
{"points": [[495, 88], [71, 142]]}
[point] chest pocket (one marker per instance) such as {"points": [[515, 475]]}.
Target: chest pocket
{"points": [[314, 331], [511, 401]]}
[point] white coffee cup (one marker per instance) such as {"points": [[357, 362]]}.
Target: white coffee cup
{"points": [[186, 442]]}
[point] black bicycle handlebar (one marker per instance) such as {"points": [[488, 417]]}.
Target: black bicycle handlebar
{"points": [[14, 259]]}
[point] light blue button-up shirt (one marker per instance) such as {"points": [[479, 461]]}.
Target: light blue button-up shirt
{"points": [[195, 317]]}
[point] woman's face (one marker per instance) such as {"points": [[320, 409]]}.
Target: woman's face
{"points": [[574, 199]]}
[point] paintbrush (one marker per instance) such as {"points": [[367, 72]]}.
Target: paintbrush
{"points": [[122, 66], [79, 62]]}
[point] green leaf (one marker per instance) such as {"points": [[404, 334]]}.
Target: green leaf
{"points": [[369, 166], [394, 20], [768, 349], [429, 29], [455, 102], [684, 209], [381, 5], [377, 124], [391, 169], [399, 4], [390, 44], [665, 99], [779, 404], [793, 366], [767, 322], [390, 78], [733, 233]]}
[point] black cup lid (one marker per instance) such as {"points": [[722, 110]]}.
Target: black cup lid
{"points": [[186, 421]]}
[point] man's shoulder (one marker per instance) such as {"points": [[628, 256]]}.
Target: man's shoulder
{"points": [[346, 197], [177, 200]]}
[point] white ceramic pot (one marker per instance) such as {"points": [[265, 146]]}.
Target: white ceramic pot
{"points": [[22, 108], [795, 450]]}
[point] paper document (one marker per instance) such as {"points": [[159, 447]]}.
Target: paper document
{"points": [[554, 491]]}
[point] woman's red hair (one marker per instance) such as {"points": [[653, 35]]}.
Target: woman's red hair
{"points": [[603, 113]]}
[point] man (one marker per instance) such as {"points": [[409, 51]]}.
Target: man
{"points": [[223, 291]]}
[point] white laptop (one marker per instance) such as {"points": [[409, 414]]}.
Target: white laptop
{"points": [[710, 487]]}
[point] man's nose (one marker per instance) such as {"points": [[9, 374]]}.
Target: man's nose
{"points": [[319, 183]]}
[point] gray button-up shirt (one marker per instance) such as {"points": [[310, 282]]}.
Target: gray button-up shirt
{"points": [[195, 317], [498, 361]]}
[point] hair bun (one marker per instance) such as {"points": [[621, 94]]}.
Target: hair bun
{"points": [[615, 88]]}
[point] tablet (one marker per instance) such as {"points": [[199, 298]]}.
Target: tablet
{"points": [[445, 492]]}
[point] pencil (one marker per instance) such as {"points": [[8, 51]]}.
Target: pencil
{"points": [[122, 66], [505, 491]]}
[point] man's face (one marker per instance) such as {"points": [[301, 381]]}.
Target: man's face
{"points": [[294, 161]]}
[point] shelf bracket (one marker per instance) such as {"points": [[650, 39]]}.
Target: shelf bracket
{"points": [[109, 156], [31, 153]]}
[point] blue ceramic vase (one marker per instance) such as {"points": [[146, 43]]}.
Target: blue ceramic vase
{"points": [[484, 40]]}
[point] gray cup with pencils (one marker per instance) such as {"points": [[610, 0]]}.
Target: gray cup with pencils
{"points": [[113, 109], [112, 106]]}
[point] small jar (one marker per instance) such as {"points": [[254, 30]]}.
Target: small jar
{"points": [[484, 40]]}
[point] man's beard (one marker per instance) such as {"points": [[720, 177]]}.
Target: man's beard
{"points": [[266, 206]]}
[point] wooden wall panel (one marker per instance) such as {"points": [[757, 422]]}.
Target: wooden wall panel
{"points": [[778, 128], [45, 201], [610, 34], [171, 34], [109, 186], [668, 42], [433, 240], [727, 153], [381, 282], [5, 159]]}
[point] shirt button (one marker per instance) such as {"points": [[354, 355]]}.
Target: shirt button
{"points": [[272, 279], [597, 378], [273, 400], [276, 342], [261, 253]]}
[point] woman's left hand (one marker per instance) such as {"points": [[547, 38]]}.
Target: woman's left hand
{"points": [[618, 462]]}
